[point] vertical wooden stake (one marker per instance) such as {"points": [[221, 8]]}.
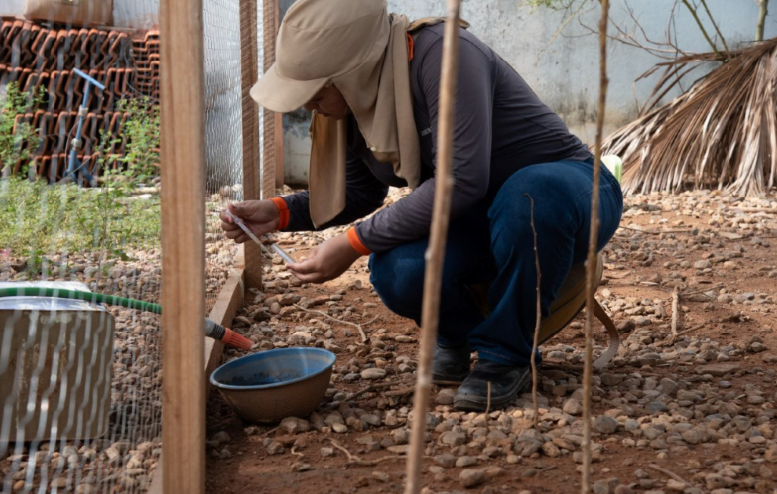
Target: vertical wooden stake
{"points": [[249, 70], [183, 245], [592, 249], [269, 154], [537, 324], [278, 119], [435, 254]]}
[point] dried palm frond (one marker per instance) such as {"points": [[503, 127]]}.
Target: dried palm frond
{"points": [[722, 133]]}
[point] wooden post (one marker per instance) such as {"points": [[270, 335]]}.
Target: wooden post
{"points": [[269, 149], [278, 117], [435, 254], [279, 177], [183, 245], [591, 282], [249, 71]]}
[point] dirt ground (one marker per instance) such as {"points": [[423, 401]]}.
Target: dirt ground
{"points": [[692, 414]]}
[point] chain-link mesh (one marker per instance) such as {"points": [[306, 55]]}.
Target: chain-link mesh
{"points": [[80, 382], [223, 132]]}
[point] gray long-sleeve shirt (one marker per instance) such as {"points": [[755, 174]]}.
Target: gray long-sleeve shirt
{"points": [[500, 127]]}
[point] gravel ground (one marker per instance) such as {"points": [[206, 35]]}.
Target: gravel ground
{"points": [[692, 412], [124, 460]]}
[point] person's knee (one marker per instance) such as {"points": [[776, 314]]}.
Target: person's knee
{"points": [[399, 281]]}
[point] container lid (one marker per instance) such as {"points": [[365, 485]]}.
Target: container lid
{"points": [[46, 303]]}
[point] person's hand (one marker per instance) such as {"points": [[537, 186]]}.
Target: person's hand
{"points": [[260, 217], [328, 261]]}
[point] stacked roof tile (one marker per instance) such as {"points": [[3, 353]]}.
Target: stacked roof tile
{"points": [[36, 56]]}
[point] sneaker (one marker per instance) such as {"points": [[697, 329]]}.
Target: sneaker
{"points": [[506, 382], [451, 364]]}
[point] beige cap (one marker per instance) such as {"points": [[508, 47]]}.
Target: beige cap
{"points": [[320, 40]]}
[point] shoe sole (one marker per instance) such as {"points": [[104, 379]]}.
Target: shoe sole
{"points": [[448, 380], [471, 403]]}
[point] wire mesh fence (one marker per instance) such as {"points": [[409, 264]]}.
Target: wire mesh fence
{"points": [[80, 407], [223, 131], [81, 380]]}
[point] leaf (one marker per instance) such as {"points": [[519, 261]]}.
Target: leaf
{"points": [[722, 133]]}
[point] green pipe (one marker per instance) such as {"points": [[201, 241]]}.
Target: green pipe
{"points": [[95, 298], [212, 329]]}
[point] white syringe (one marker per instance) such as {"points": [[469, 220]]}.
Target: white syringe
{"points": [[275, 248]]}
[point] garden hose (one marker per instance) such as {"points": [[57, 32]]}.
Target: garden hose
{"points": [[212, 329]]}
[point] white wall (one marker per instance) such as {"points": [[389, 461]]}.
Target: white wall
{"points": [[564, 72]]}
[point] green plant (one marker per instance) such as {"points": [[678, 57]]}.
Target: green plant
{"points": [[17, 140], [38, 220], [141, 132], [122, 174]]}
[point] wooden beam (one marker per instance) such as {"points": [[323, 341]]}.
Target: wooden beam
{"points": [[249, 70], [270, 148], [183, 245], [229, 300], [279, 157]]}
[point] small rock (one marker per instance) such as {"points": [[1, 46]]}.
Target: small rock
{"points": [[219, 438], [467, 461], [340, 428], [373, 373], [294, 425], [572, 407], [605, 425], [675, 485], [301, 467], [275, 448], [452, 438], [445, 460], [471, 477], [717, 370], [445, 396], [702, 264], [381, 476]]}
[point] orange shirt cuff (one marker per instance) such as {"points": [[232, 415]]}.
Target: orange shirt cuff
{"points": [[283, 210], [356, 243]]}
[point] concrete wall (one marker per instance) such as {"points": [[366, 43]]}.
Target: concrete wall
{"points": [[561, 68], [141, 14], [564, 72]]}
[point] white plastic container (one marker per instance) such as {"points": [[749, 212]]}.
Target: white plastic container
{"points": [[56, 358]]}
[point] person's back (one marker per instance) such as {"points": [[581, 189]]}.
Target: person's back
{"points": [[524, 131]]}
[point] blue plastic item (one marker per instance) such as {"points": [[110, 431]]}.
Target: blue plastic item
{"points": [[270, 386], [74, 165]]}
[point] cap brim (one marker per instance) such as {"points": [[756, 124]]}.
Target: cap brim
{"points": [[282, 95]]}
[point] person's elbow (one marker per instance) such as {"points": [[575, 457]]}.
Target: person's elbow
{"points": [[468, 193]]}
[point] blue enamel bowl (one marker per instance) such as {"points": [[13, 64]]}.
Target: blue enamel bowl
{"points": [[267, 387]]}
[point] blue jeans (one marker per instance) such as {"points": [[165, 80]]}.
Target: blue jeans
{"points": [[493, 243]]}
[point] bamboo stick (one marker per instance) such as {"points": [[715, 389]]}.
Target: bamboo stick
{"points": [[435, 253], [675, 313], [592, 249], [762, 13], [537, 324]]}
